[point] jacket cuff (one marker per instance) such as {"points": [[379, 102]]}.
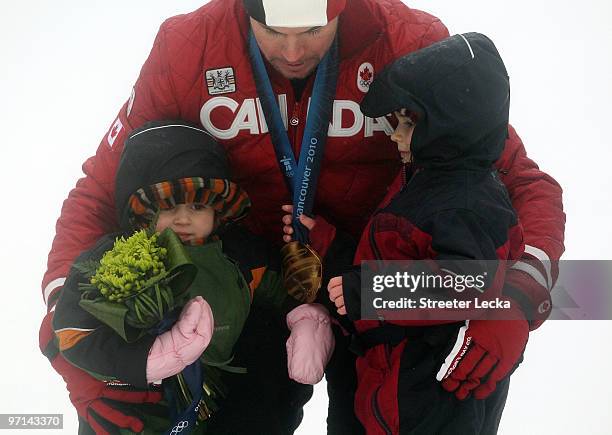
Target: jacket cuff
{"points": [[132, 363], [351, 289], [339, 256], [533, 298], [322, 236]]}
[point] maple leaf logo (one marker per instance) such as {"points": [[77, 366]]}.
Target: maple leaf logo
{"points": [[366, 74]]}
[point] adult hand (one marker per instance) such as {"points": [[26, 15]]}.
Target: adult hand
{"points": [[99, 403], [175, 349], [486, 351], [336, 294], [287, 219], [322, 233]]}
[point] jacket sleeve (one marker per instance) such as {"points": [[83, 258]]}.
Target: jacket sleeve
{"points": [[270, 291], [89, 210], [452, 237], [537, 199], [267, 280], [260, 265], [87, 343]]}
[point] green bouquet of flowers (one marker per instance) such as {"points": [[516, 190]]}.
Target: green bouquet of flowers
{"points": [[135, 287], [137, 282]]}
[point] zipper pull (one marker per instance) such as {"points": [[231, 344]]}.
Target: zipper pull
{"points": [[294, 121], [405, 176]]}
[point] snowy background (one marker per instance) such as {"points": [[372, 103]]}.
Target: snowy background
{"points": [[68, 66]]}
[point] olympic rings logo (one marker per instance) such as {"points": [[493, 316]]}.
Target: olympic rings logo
{"points": [[179, 427]]}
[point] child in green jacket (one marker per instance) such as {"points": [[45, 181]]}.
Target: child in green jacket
{"points": [[174, 175]]}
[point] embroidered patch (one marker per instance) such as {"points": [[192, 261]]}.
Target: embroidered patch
{"points": [[114, 132], [365, 75], [220, 81]]}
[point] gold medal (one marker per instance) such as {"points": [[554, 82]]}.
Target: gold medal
{"points": [[302, 271]]}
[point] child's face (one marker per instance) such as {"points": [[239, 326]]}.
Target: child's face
{"points": [[188, 221], [403, 134]]}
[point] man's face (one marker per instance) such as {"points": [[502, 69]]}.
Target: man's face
{"points": [[294, 51]]}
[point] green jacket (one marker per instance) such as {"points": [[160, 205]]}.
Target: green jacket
{"points": [[234, 273]]}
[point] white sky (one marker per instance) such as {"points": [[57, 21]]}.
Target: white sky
{"points": [[68, 66]]}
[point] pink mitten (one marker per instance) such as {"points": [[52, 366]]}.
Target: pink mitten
{"points": [[310, 344], [175, 349]]}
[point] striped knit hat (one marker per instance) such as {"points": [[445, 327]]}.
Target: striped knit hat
{"points": [[172, 162], [300, 13]]}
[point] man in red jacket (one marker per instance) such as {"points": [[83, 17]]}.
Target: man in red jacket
{"points": [[200, 70]]}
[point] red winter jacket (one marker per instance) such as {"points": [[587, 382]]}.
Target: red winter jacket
{"points": [[198, 70]]}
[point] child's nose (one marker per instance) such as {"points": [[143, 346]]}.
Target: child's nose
{"points": [[181, 215]]}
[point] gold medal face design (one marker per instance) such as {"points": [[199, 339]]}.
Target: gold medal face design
{"points": [[302, 271]]}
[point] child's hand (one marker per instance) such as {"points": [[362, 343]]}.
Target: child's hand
{"points": [[175, 349], [485, 352], [288, 219], [310, 344], [336, 294]]}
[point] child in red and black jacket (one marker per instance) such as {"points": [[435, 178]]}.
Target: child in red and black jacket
{"points": [[451, 101]]}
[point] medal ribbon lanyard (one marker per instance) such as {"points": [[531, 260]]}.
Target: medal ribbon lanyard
{"points": [[185, 419], [301, 177]]}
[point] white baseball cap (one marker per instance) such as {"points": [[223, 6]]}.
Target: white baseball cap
{"points": [[296, 13]]}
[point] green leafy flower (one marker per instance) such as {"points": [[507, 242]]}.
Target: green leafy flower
{"points": [[125, 269]]}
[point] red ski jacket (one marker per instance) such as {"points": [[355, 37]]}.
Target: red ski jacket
{"points": [[198, 70]]}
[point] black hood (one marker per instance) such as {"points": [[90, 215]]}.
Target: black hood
{"points": [[164, 151], [460, 90]]}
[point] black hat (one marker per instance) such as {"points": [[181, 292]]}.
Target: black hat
{"points": [[171, 162], [460, 90]]}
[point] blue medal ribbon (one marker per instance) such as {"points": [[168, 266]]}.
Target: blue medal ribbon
{"points": [[301, 177], [185, 422]]}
